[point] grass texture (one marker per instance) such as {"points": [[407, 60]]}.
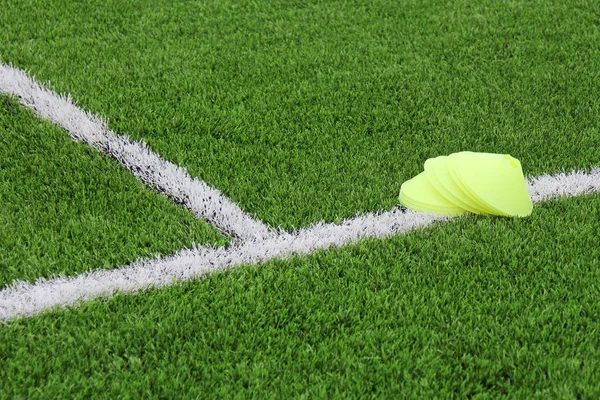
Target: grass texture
{"points": [[303, 111], [478, 307], [313, 110], [65, 208]]}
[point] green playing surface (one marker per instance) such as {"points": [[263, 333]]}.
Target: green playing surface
{"points": [[302, 111]]}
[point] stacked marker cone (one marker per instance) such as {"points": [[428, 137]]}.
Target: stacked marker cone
{"points": [[481, 183]]}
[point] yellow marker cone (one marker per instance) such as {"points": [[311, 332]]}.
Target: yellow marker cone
{"points": [[418, 194], [496, 180], [483, 208], [439, 176], [482, 183]]}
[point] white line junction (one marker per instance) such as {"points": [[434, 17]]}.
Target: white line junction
{"points": [[255, 242]]}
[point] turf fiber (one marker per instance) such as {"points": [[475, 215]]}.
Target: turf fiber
{"points": [[303, 111], [480, 307], [65, 208], [313, 110]]}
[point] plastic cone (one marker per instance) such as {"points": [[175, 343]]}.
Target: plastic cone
{"points": [[418, 194], [436, 170], [496, 180], [453, 160], [482, 183]]}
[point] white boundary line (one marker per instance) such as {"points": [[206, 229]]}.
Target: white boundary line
{"points": [[259, 244], [547, 187], [204, 201], [25, 299]]}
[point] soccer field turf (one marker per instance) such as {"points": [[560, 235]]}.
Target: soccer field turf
{"points": [[301, 112]]}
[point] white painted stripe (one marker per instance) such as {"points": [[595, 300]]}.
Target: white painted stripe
{"points": [[204, 201], [24, 299], [547, 187]]}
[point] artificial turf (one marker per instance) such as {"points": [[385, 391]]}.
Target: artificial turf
{"points": [[477, 307], [302, 111], [314, 110], [66, 208]]}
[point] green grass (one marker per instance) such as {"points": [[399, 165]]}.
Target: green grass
{"points": [[309, 110], [303, 111], [481, 306], [65, 208]]}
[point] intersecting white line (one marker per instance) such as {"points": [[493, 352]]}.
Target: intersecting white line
{"points": [[25, 299], [204, 201], [258, 245]]}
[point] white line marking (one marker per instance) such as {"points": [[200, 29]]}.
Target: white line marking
{"points": [[547, 187], [204, 201], [24, 299], [259, 244]]}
